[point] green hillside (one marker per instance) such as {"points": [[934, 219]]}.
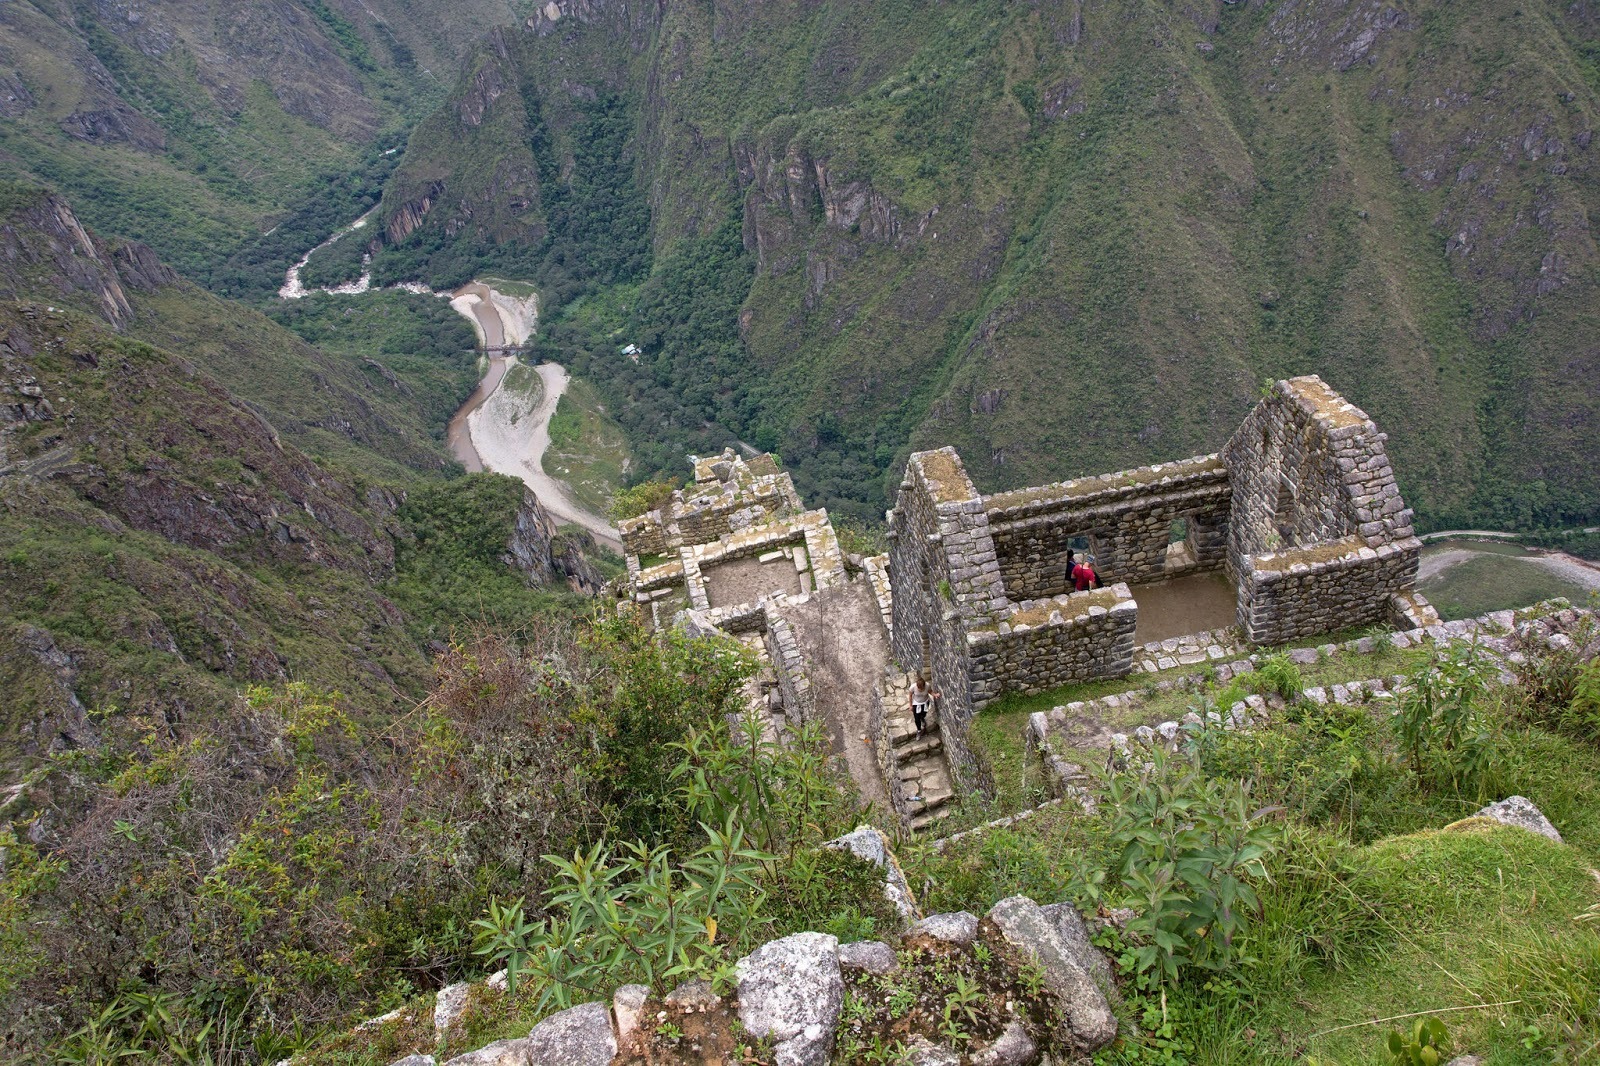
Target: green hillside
{"points": [[1067, 239], [228, 136]]}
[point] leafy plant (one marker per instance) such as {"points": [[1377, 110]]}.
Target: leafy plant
{"points": [[641, 916], [1439, 724], [646, 496], [1188, 848], [1278, 673], [504, 937], [1424, 1044]]}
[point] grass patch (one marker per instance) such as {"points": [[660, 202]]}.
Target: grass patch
{"points": [[1495, 583], [588, 450]]}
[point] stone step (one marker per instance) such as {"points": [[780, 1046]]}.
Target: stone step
{"points": [[920, 823], [918, 746], [904, 734]]}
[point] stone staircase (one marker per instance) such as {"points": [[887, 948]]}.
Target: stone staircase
{"points": [[920, 785]]}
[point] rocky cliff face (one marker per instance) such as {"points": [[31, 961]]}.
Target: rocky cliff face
{"points": [[545, 557], [494, 198], [1068, 239]]}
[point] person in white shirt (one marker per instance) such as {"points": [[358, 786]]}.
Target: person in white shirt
{"points": [[922, 697]]}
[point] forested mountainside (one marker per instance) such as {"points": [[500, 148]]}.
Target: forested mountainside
{"points": [[198, 126], [193, 499], [1063, 236]]}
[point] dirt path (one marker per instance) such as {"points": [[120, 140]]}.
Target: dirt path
{"points": [[841, 636], [510, 434]]}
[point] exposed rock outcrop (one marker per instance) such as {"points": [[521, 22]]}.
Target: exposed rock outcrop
{"points": [[791, 991], [577, 1036], [545, 557], [1520, 812], [1026, 927]]}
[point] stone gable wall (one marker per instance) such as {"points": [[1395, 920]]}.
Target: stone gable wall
{"points": [[1127, 518], [1319, 537]]}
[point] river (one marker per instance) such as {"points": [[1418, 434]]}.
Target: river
{"points": [[494, 430]]}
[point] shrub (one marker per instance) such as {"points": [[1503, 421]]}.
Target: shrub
{"points": [[1188, 847], [1277, 673], [1439, 725], [639, 499]]}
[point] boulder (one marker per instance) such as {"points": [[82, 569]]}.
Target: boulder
{"points": [[448, 1006], [628, 1005], [1520, 812], [1013, 1047], [959, 928], [577, 1036], [499, 1053], [694, 996], [870, 844], [414, 1060], [1075, 934], [872, 956], [1026, 927], [790, 991]]}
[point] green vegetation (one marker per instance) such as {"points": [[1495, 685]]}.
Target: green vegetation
{"points": [[1373, 904], [339, 263], [1025, 232], [588, 450], [451, 575], [342, 887], [1495, 582], [641, 498]]}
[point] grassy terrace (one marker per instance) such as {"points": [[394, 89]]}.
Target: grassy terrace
{"points": [[999, 733], [1382, 899]]}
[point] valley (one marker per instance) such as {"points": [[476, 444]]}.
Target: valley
{"points": [[480, 484]]}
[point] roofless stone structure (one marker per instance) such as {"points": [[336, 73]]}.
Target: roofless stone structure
{"points": [[1300, 511], [1298, 514]]}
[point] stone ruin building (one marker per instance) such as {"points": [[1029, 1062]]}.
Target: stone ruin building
{"points": [[1296, 523]]}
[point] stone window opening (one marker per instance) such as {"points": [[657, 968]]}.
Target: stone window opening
{"points": [[1181, 554], [1283, 517]]}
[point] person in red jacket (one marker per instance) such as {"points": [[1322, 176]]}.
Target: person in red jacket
{"points": [[1084, 576]]}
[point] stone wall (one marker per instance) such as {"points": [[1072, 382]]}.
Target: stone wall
{"points": [[1038, 645], [946, 579], [1302, 592], [1319, 537], [1126, 518], [728, 495]]}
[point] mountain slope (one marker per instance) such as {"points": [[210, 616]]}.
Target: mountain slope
{"points": [[1068, 238], [167, 540], [195, 125]]}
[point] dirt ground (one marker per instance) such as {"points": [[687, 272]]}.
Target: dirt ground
{"points": [[842, 639], [1182, 606], [747, 580]]}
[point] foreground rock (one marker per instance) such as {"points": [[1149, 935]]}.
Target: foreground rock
{"points": [[791, 990], [958, 927], [577, 1036], [1026, 927], [1519, 811], [1075, 935], [499, 1053]]}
